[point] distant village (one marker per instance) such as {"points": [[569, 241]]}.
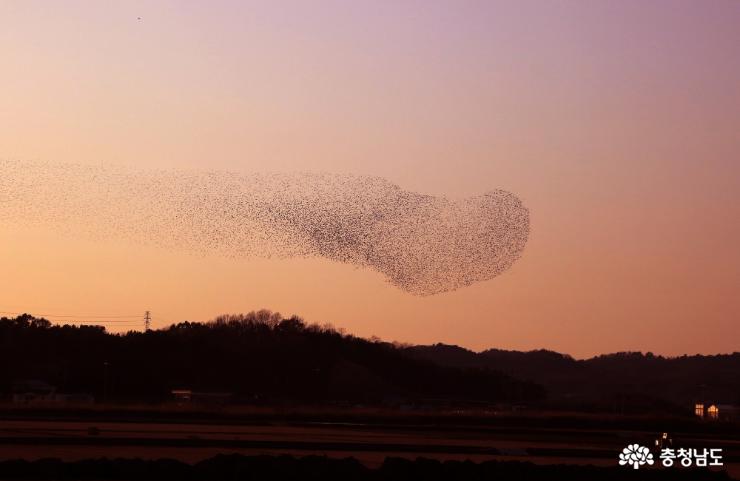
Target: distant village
{"points": [[35, 392]]}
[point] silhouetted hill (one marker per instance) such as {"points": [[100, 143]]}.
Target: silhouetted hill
{"points": [[258, 357], [626, 381], [264, 358]]}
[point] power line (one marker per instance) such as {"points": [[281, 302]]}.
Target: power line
{"points": [[97, 320], [113, 323], [71, 315]]}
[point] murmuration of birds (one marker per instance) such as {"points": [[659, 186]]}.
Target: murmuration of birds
{"points": [[422, 244]]}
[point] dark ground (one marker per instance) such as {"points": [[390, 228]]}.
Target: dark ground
{"points": [[382, 444]]}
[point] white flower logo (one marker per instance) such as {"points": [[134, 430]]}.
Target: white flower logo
{"points": [[635, 455]]}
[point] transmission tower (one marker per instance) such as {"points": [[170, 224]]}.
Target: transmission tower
{"points": [[147, 320]]}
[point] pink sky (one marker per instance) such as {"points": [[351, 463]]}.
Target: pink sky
{"points": [[617, 123]]}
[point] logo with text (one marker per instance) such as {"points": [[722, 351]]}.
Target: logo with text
{"points": [[636, 456]]}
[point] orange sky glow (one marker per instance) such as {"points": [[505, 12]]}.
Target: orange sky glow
{"points": [[616, 123]]}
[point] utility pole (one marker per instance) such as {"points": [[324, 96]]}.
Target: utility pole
{"points": [[147, 320], [105, 381]]}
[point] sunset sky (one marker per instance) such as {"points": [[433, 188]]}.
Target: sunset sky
{"points": [[617, 124]]}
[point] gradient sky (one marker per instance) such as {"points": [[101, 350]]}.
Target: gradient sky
{"points": [[617, 123]]}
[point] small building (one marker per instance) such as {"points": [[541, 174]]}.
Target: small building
{"points": [[182, 396], [189, 397], [717, 412], [727, 412], [34, 391]]}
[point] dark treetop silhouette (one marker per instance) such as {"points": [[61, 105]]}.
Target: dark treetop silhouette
{"points": [[262, 357], [258, 357]]}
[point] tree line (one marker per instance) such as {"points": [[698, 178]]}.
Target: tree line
{"points": [[259, 357]]}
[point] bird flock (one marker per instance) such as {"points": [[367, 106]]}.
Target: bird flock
{"points": [[422, 244]]}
